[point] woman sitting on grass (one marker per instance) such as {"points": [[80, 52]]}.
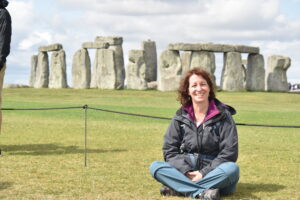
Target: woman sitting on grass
{"points": [[201, 144]]}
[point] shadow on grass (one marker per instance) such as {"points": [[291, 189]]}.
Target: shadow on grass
{"points": [[5, 185], [50, 149], [248, 190]]}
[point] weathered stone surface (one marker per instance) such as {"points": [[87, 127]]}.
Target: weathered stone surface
{"points": [[276, 79], [58, 75], [170, 70], [115, 44], [185, 61], [81, 69], [34, 61], [95, 45], [151, 60], [52, 47], [106, 69], [13, 85], [152, 85], [205, 60], [212, 47], [94, 75], [111, 40], [232, 78], [255, 73], [119, 64], [42, 71], [136, 70]]}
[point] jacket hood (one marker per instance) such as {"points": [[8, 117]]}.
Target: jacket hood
{"points": [[3, 3]]}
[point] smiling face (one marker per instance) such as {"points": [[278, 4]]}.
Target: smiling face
{"points": [[198, 89]]}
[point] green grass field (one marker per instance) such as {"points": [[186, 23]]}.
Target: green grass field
{"points": [[43, 151]]}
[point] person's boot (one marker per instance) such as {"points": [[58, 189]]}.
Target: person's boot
{"points": [[210, 194], [166, 191]]}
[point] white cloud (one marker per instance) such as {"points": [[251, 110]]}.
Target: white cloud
{"points": [[35, 38]]}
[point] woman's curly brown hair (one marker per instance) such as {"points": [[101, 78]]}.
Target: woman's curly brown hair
{"points": [[183, 90]]}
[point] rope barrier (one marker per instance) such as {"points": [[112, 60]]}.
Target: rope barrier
{"points": [[86, 107], [55, 108], [141, 115]]}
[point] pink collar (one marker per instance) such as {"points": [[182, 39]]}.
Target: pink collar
{"points": [[211, 112]]}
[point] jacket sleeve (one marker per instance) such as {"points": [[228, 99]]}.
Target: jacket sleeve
{"points": [[228, 146], [5, 35], [171, 149]]}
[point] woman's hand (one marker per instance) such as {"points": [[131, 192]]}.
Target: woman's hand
{"points": [[194, 175]]}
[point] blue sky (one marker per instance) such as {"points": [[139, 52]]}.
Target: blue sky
{"points": [[272, 25]]}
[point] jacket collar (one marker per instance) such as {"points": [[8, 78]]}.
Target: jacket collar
{"points": [[211, 112]]}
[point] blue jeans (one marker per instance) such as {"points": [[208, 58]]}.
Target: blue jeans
{"points": [[224, 177]]}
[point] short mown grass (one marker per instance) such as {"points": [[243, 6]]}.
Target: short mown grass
{"points": [[43, 151]]}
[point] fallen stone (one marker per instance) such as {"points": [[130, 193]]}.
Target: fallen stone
{"points": [[13, 85]]}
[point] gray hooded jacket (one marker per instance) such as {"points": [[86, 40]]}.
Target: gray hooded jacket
{"points": [[5, 32], [214, 142]]}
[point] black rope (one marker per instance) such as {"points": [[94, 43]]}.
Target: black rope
{"points": [[132, 114], [55, 108], [268, 125], [140, 115]]}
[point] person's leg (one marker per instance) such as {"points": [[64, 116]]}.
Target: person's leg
{"points": [[224, 177], [2, 72], [171, 177]]}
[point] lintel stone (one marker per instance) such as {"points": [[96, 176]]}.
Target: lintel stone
{"points": [[111, 40], [95, 45], [52, 47], [212, 47]]}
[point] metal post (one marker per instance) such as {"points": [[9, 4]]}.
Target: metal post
{"points": [[85, 107]]}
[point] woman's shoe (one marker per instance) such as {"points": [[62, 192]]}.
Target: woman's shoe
{"points": [[210, 194], [166, 191]]}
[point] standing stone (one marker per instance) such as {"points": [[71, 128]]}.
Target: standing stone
{"points": [[232, 78], [136, 70], [151, 60], [81, 69], [185, 61], [34, 61], [115, 44], [42, 71], [255, 73], [58, 75], [205, 60], [94, 75], [276, 79], [106, 69], [170, 70]]}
